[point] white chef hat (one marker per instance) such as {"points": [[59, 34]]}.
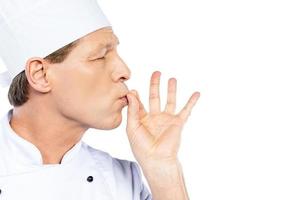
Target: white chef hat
{"points": [[30, 28]]}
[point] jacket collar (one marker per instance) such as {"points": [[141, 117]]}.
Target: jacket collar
{"points": [[26, 152]]}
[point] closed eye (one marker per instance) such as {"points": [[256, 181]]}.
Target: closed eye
{"points": [[100, 58]]}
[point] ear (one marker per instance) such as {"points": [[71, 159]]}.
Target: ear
{"points": [[36, 69]]}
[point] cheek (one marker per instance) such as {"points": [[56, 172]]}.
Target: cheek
{"points": [[84, 94], [74, 82], [93, 96], [70, 88]]}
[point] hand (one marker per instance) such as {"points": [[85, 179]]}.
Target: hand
{"points": [[154, 136]]}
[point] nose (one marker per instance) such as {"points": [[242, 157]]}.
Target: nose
{"points": [[121, 71]]}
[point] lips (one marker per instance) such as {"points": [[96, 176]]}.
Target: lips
{"points": [[124, 95], [124, 100]]}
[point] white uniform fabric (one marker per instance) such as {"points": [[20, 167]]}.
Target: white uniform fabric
{"points": [[36, 28], [23, 176]]}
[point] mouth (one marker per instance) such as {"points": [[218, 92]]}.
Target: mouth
{"points": [[124, 100]]}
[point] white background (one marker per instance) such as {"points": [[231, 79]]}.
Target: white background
{"points": [[242, 138]]}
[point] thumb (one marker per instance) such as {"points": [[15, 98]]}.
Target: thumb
{"points": [[132, 111]]}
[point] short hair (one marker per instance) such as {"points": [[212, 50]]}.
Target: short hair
{"points": [[18, 92]]}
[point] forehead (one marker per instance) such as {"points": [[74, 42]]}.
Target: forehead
{"points": [[101, 38]]}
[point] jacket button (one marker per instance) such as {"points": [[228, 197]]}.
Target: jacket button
{"points": [[90, 179]]}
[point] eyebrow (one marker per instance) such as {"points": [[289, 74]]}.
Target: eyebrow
{"points": [[109, 45]]}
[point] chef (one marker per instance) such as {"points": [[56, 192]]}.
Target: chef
{"points": [[65, 76]]}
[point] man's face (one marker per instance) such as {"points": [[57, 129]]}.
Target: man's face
{"points": [[87, 86]]}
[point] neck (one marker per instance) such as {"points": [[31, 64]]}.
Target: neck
{"points": [[52, 133]]}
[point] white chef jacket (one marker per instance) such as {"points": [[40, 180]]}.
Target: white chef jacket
{"points": [[85, 173]]}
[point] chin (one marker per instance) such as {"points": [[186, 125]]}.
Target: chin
{"points": [[109, 125]]}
